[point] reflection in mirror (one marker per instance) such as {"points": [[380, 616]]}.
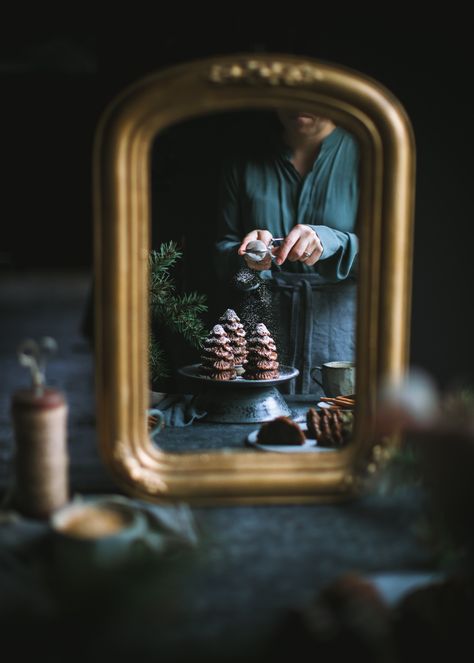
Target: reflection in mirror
{"points": [[277, 336]]}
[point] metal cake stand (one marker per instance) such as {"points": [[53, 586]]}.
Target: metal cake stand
{"points": [[240, 401]]}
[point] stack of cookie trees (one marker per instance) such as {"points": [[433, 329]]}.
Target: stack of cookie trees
{"points": [[235, 331], [217, 355], [228, 396], [262, 356]]}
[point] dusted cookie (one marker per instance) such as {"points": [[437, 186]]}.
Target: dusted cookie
{"points": [[223, 375], [217, 359], [266, 365], [230, 321], [261, 375], [281, 430], [223, 365], [222, 352], [262, 356], [209, 365]]}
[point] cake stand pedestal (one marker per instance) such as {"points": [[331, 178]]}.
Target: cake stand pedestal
{"points": [[240, 401]]}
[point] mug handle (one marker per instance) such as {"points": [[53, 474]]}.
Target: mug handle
{"points": [[160, 421], [313, 370]]}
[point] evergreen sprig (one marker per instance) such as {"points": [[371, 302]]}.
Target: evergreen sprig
{"points": [[180, 313], [167, 255], [158, 365]]}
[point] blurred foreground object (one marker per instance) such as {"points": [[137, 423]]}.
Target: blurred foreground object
{"points": [[349, 620], [435, 622], [438, 430], [410, 403], [39, 416]]}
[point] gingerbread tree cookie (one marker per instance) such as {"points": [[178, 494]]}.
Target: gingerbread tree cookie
{"points": [[262, 356], [217, 356], [236, 333]]}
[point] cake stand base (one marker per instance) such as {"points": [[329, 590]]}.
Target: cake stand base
{"points": [[242, 406], [240, 401]]}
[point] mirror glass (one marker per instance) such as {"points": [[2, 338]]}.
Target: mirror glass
{"points": [[160, 162], [233, 343]]}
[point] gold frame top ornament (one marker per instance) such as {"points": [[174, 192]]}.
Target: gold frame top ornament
{"points": [[271, 72]]}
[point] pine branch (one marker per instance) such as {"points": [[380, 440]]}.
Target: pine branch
{"points": [[161, 290], [167, 255], [157, 361], [180, 313], [194, 300], [161, 285]]}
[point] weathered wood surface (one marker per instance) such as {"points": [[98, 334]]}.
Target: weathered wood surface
{"points": [[224, 601]]}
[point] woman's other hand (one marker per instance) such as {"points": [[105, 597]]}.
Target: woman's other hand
{"points": [[301, 244]]}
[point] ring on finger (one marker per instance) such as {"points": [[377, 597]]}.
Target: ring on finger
{"points": [[307, 254]]}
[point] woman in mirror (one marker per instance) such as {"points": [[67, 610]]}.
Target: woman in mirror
{"points": [[303, 187]]}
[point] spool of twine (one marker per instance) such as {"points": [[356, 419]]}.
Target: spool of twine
{"points": [[41, 461]]}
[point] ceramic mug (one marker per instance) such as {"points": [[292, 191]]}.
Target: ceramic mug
{"points": [[94, 534], [160, 421], [337, 378]]}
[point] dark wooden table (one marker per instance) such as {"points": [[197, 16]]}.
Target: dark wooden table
{"points": [[224, 600]]}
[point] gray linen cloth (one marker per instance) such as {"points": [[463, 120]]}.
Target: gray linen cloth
{"points": [[177, 409]]}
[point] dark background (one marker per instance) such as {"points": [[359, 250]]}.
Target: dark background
{"points": [[57, 78]]}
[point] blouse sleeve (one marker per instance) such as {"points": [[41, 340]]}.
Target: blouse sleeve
{"points": [[341, 245], [340, 251], [229, 225]]}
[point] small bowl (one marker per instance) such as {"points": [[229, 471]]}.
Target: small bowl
{"points": [[100, 532]]}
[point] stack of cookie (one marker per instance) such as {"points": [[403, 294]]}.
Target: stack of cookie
{"points": [[217, 355], [235, 331], [331, 427], [262, 356]]}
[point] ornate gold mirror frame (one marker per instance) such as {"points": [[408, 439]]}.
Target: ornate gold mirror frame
{"points": [[122, 240]]}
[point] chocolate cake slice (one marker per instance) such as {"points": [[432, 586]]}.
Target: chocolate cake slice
{"points": [[281, 430]]}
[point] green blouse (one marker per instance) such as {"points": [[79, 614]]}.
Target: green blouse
{"points": [[265, 191]]}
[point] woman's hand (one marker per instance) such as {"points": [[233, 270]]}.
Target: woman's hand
{"points": [[301, 244], [264, 236]]}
